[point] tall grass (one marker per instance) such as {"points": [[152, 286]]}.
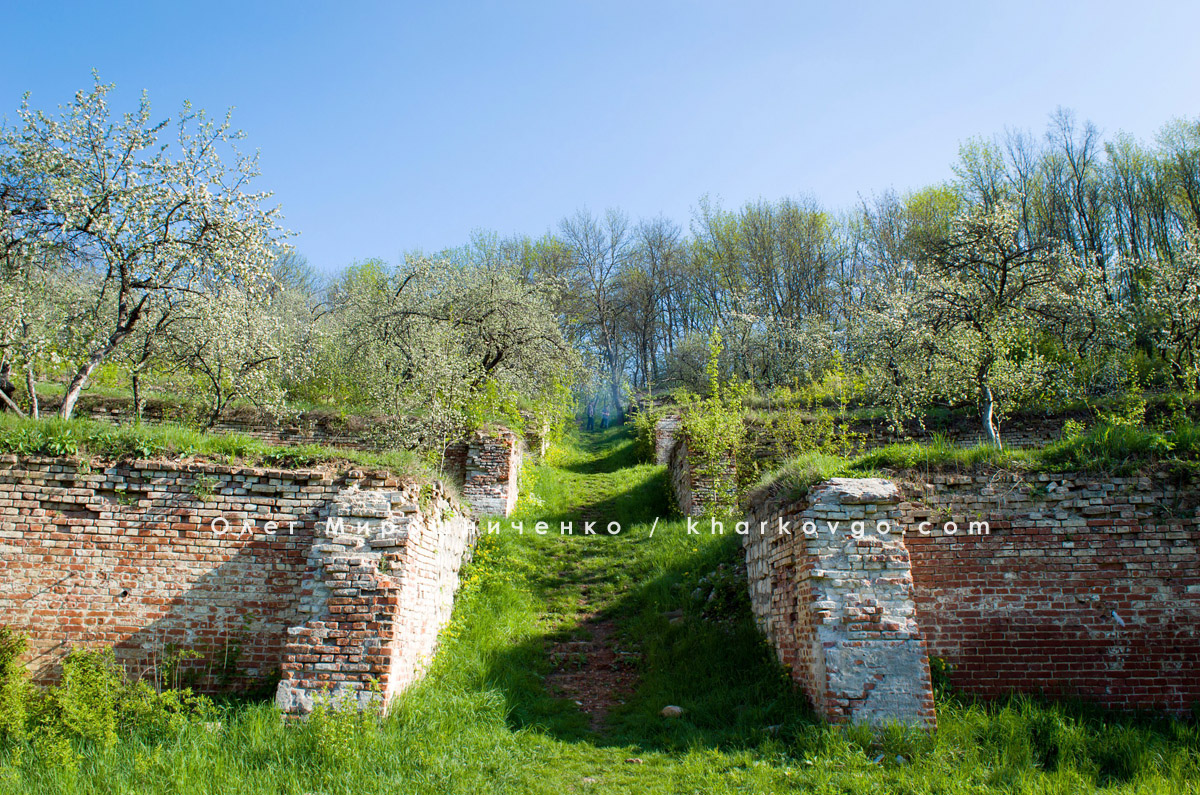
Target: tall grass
{"points": [[1109, 447]]}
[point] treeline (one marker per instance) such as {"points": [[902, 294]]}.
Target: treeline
{"points": [[134, 252], [1056, 266]]}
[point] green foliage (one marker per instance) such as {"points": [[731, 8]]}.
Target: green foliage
{"points": [[797, 475], [715, 429], [494, 404], [84, 703], [1121, 448], [1115, 447], [14, 686], [644, 422], [333, 732], [87, 438], [204, 486], [552, 408], [95, 704]]}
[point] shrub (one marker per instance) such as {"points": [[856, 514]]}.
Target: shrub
{"points": [[97, 704], [715, 430], [14, 686]]}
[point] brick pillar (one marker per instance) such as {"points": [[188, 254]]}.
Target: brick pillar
{"points": [[382, 575], [492, 472], [835, 599], [666, 431]]}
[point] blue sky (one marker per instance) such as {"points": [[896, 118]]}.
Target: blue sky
{"points": [[385, 127]]}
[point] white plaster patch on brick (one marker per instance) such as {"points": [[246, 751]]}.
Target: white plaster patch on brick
{"points": [[383, 573], [839, 608]]}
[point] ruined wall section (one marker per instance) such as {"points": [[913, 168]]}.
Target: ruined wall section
{"points": [[236, 565], [1072, 585], [1082, 585], [379, 587], [835, 598]]}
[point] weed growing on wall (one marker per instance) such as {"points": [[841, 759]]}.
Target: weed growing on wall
{"points": [[644, 422], [714, 427]]}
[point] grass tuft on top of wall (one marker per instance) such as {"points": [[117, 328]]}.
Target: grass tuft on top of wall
{"points": [[93, 439], [1110, 448]]}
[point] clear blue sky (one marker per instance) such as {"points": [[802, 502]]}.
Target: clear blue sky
{"points": [[385, 127]]}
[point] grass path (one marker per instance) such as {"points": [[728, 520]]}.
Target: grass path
{"points": [[562, 651]]}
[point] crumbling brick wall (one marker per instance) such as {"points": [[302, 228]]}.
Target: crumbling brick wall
{"points": [[488, 465], [666, 433], [834, 597], [1066, 584], [694, 490], [1085, 586], [379, 587], [148, 557]]}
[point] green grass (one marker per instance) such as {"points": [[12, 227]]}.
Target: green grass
{"points": [[1111, 448], [483, 721], [763, 410], [89, 438]]}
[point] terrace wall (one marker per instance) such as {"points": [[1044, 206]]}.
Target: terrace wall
{"points": [[1070, 585], [234, 564]]}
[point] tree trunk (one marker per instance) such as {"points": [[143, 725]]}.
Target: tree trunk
{"points": [[31, 385], [6, 385], [124, 327], [136, 384], [78, 382], [9, 402], [987, 405], [615, 390], [218, 407]]}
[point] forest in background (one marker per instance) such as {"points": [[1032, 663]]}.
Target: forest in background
{"points": [[139, 254]]}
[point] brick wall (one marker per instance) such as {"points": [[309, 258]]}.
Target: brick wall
{"points": [[1084, 586], [838, 608], [694, 490], [488, 465], [1080, 586], [666, 431], [138, 556], [379, 587]]}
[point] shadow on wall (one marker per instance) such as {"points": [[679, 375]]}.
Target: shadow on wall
{"points": [[158, 561]]}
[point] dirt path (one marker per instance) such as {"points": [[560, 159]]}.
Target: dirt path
{"points": [[592, 664], [594, 672]]}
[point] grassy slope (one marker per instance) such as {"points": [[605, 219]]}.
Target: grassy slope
{"points": [[1112, 449], [483, 722], [89, 438]]}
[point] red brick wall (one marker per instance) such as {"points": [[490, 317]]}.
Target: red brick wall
{"points": [[380, 586], [126, 556], [491, 471], [695, 491], [1086, 586]]}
